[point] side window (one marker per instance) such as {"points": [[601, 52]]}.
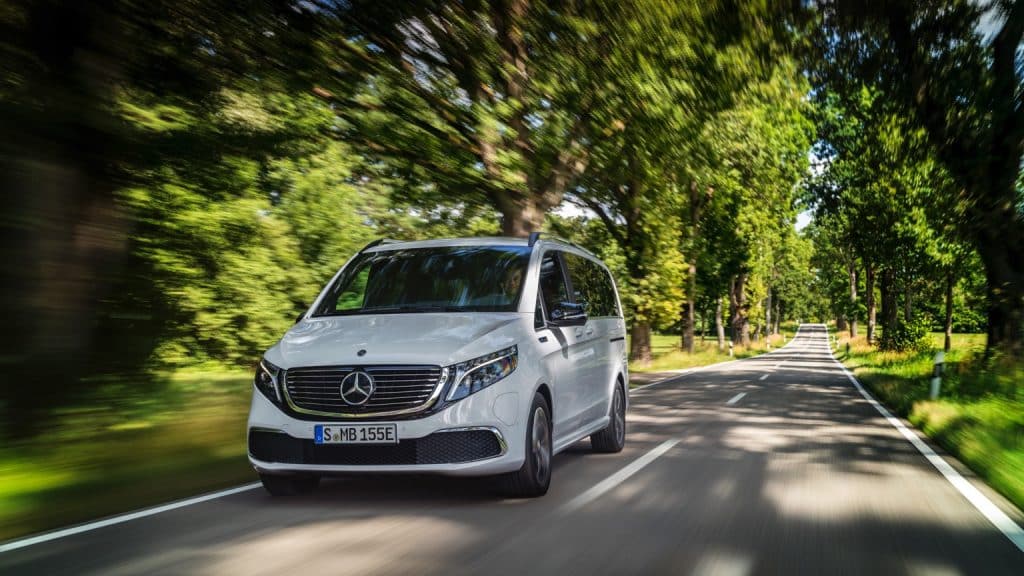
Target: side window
{"points": [[582, 283], [552, 281], [592, 286]]}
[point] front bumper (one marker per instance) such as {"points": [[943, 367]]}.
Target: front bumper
{"points": [[480, 435]]}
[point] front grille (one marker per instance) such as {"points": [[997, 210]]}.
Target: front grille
{"points": [[457, 446], [398, 388]]}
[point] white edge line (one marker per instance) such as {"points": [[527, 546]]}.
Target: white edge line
{"points": [[765, 377], [988, 509], [619, 477], [16, 544], [716, 364], [736, 398]]}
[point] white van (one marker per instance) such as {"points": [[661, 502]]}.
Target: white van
{"points": [[472, 356]]}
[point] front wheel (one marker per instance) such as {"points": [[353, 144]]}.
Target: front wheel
{"points": [[280, 485], [534, 477], [613, 437]]}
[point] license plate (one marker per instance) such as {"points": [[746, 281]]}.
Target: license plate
{"points": [[355, 434]]}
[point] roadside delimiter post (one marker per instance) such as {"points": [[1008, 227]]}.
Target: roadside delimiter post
{"points": [[940, 360]]}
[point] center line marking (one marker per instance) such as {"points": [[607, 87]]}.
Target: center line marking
{"points": [[736, 398], [763, 377], [619, 477]]}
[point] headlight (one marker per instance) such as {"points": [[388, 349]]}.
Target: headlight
{"points": [[267, 381], [479, 373]]}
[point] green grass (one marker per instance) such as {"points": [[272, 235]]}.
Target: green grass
{"points": [[182, 439], [979, 416], [668, 354]]}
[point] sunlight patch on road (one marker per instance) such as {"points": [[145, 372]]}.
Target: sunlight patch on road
{"points": [[398, 544], [724, 563]]}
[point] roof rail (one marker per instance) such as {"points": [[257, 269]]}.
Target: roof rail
{"points": [[534, 236], [377, 242]]}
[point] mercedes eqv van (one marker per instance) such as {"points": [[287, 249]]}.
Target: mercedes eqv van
{"points": [[476, 356]]}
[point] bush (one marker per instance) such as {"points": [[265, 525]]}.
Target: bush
{"points": [[907, 336]]}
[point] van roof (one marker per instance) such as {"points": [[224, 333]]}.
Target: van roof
{"points": [[385, 244]]}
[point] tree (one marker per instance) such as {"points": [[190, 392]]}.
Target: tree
{"points": [[758, 154], [962, 88]]}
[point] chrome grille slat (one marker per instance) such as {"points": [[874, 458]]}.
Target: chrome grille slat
{"points": [[332, 380], [317, 389], [335, 384], [309, 396]]}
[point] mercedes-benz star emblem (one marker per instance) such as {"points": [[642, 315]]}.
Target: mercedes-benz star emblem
{"points": [[357, 387]]}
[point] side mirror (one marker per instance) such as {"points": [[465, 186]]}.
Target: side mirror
{"points": [[568, 314], [301, 316]]}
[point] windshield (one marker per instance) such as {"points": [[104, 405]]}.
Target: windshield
{"points": [[449, 279]]}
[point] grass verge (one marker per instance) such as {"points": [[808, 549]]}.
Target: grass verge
{"points": [[979, 415], [668, 354], [185, 437]]}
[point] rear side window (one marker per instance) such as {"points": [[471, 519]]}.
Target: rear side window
{"points": [[591, 286]]}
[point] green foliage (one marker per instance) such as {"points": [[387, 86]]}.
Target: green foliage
{"points": [[907, 336]]}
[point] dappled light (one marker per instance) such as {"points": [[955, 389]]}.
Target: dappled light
{"points": [[512, 287]]}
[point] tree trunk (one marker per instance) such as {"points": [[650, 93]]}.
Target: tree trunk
{"points": [[640, 343], [853, 300], [890, 312], [778, 316], [768, 316], [719, 326], [869, 288], [840, 323], [738, 310], [520, 214], [908, 303], [1005, 294], [950, 282], [689, 318]]}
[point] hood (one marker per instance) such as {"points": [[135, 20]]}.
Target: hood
{"points": [[427, 338]]}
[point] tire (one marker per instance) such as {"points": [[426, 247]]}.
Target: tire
{"points": [[281, 485], [613, 437], [533, 479]]}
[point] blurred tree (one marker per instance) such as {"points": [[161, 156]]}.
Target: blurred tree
{"points": [[488, 100], [95, 96]]}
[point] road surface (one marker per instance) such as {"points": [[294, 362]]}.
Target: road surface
{"points": [[770, 465]]}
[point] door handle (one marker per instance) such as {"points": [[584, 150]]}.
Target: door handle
{"points": [[579, 332], [590, 330]]}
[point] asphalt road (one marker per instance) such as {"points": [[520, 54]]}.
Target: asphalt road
{"points": [[770, 465]]}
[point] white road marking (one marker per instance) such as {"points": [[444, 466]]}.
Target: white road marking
{"points": [[763, 377], [16, 544], [981, 503], [619, 477], [736, 398]]}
